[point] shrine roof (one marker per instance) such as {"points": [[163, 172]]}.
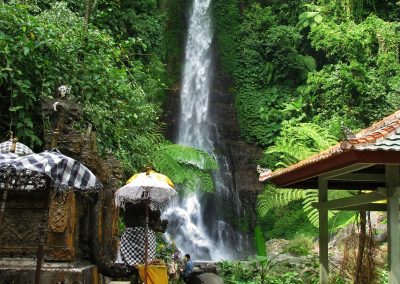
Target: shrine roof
{"points": [[382, 136]]}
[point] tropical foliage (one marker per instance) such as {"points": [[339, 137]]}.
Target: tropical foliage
{"points": [[296, 142], [314, 63], [299, 69], [262, 270], [44, 51], [189, 167], [115, 71]]}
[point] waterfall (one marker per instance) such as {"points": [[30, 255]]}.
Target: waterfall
{"points": [[195, 222]]}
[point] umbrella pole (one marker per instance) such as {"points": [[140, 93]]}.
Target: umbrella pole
{"points": [[3, 200], [146, 245]]}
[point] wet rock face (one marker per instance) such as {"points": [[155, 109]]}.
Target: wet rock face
{"points": [[243, 156]]}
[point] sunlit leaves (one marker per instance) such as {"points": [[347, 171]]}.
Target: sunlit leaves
{"points": [[188, 167], [298, 141]]}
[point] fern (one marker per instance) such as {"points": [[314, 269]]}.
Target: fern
{"points": [[272, 198], [190, 156], [297, 142], [188, 167]]}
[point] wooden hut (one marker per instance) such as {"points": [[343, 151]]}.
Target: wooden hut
{"points": [[368, 160]]}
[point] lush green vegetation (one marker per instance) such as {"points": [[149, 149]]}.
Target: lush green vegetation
{"points": [[263, 270], [306, 67], [112, 56], [299, 69], [300, 245], [310, 61]]}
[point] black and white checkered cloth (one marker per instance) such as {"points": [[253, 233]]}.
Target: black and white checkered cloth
{"points": [[132, 248], [64, 171], [7, 158], [20, 149]]}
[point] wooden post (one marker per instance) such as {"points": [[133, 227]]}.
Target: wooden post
{"points": [[4, 198], [323, 232], [146, 245], [393, 226]]}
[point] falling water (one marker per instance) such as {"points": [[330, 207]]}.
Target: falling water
{"points": [[195, 223]]}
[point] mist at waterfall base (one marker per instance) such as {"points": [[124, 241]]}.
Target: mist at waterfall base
{"points": [[196, 222]]}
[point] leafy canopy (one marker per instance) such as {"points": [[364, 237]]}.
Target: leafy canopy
{"points": [[120, 89]]}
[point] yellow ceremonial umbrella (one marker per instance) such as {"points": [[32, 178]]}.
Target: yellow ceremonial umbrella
{"points": [[150, 187], [152, 173], [147, 186]]}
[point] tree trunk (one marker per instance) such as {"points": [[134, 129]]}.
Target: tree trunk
{"points": [[88, 8], [359, 276]]}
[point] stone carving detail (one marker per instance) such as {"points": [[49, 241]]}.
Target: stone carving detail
{"points": [[19, 252], [59, 212], [18, 228], [25, 180], [60, 253]]}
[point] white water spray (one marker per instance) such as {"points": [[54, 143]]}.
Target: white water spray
{"points": [[202, 234]]}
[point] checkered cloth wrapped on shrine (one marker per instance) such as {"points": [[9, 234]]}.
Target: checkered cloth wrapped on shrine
{"points": [[132, 247], [20, 149], [64, 171]]}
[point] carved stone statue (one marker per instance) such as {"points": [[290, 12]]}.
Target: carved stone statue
{"points": [[62, 110]]}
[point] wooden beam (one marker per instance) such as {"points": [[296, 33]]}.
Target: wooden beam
{"points": [[382, 157], [323, 233], [363, 207], [360, 177], [337, 185], [294, 175], [315, 169], [355, 200], [393, 226], [344, 170]]}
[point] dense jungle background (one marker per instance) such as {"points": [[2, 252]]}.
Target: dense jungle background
{"points": [[299, 69]]}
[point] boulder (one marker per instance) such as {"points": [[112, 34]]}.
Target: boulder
{"points": [[205, 278], [276, 246]]}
